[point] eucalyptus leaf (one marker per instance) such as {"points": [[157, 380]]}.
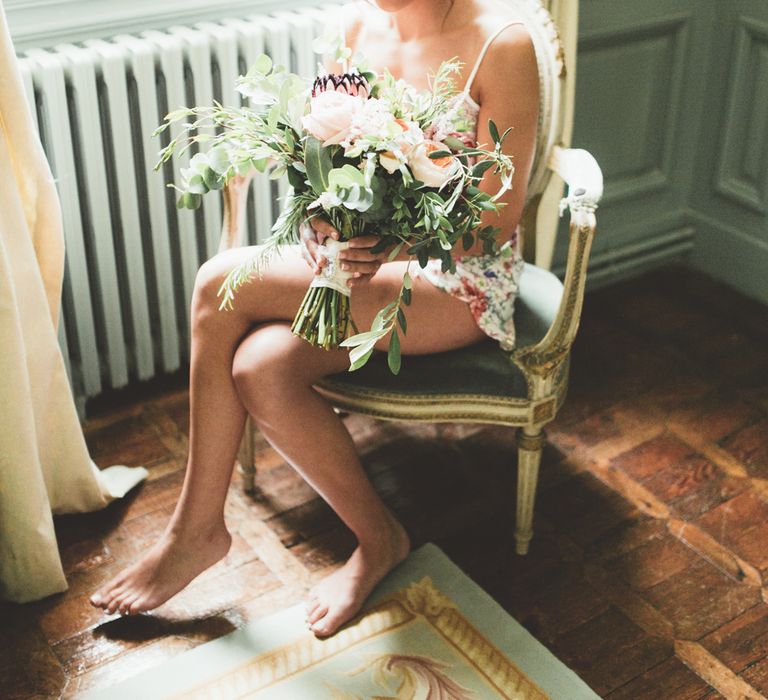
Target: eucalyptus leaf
{"points": [[393, 354], [363, 338], [402, 320], [358, 362], [395, 252], [480, 168], [359, 355], [262, 65], [494, 131], [317, 160]]}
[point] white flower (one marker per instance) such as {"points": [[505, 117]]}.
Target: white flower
{"points": [[326, 200], [389, 161], [373, 123], [411, 135]]}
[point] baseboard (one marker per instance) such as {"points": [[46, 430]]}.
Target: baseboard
{"points": [[633, 259], [731, 256]]}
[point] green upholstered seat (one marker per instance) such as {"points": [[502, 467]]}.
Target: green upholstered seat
{"points": [[482, 368]]}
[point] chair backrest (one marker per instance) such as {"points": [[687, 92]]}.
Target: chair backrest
{"points": [[553, 25]]}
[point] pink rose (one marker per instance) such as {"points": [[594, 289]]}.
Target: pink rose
{"points": [[330, 116], [432, 172]]}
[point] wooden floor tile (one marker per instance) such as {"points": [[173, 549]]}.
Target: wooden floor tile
{"points": [[671, 680], [610, 650], [700, 599], [741, 524]]}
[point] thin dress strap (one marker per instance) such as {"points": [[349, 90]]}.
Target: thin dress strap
{"points": [[483, 51]]}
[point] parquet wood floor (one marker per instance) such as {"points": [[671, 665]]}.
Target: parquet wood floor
{"points": [[648, 573]]}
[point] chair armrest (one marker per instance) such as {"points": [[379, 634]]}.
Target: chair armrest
{"points": [[235, 197], [584, 178], [581, 173]]}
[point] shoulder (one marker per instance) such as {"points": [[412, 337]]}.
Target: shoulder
{"points": [[511, 54], [512, 46]]}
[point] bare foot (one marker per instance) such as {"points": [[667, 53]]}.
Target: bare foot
{"points": [[162, 572], [338, 597]]}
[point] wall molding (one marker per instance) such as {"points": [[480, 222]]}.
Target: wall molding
{"points": [[747, 107], [673, 245], [730, 255], [675, 30]]}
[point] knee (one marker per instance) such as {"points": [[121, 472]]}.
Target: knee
{"points": [[266, 366], [205, 296]]}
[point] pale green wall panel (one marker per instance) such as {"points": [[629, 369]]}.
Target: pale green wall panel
{"points": [[638, 107], [729, 200]]}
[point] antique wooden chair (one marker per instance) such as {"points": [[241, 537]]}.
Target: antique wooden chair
{"points": [[483, 383]]}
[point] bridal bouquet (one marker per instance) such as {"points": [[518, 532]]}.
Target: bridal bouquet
{"points": [[371, 154]]}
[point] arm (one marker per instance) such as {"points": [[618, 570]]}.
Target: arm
{"points": [[511, 101]]}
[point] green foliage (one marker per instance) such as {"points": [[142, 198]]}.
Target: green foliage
{"points": [[318, 163], [385, 322], [346, 184]]}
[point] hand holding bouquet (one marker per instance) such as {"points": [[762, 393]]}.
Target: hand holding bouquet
{"points": [[370, 155]]}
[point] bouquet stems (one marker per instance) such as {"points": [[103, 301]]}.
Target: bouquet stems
{"points": [[324, 317]]}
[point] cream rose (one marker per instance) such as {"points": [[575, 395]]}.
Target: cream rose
{"points": [[330, 116], [389, 161], [411, 136], [432, 172]]}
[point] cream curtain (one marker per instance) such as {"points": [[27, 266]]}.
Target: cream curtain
{"points": [[44, 463]]}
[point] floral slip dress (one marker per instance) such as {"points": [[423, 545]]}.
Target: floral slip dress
{"points": [[488, 283]]}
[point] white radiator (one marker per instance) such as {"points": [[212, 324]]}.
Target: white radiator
{"points": [[131, 255]]}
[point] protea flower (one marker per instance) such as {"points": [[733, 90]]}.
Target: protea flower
{"points": [[350, 83]]}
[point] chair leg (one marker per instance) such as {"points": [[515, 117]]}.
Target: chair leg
{"points": [[247, 457], [530, 443]]}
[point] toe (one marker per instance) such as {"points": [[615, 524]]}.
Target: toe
{"points": [[340, 615], [318, 613], [321, 629], [144, 603], [329, 624], [116, 592], [101, 597], [135, 607], [125, 606], [114, 603], [107, 595]]}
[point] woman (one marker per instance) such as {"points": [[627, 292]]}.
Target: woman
{"points": [[248, 362]]}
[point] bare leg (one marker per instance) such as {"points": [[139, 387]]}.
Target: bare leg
{"points": [[274, 372], [196, 536]]}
